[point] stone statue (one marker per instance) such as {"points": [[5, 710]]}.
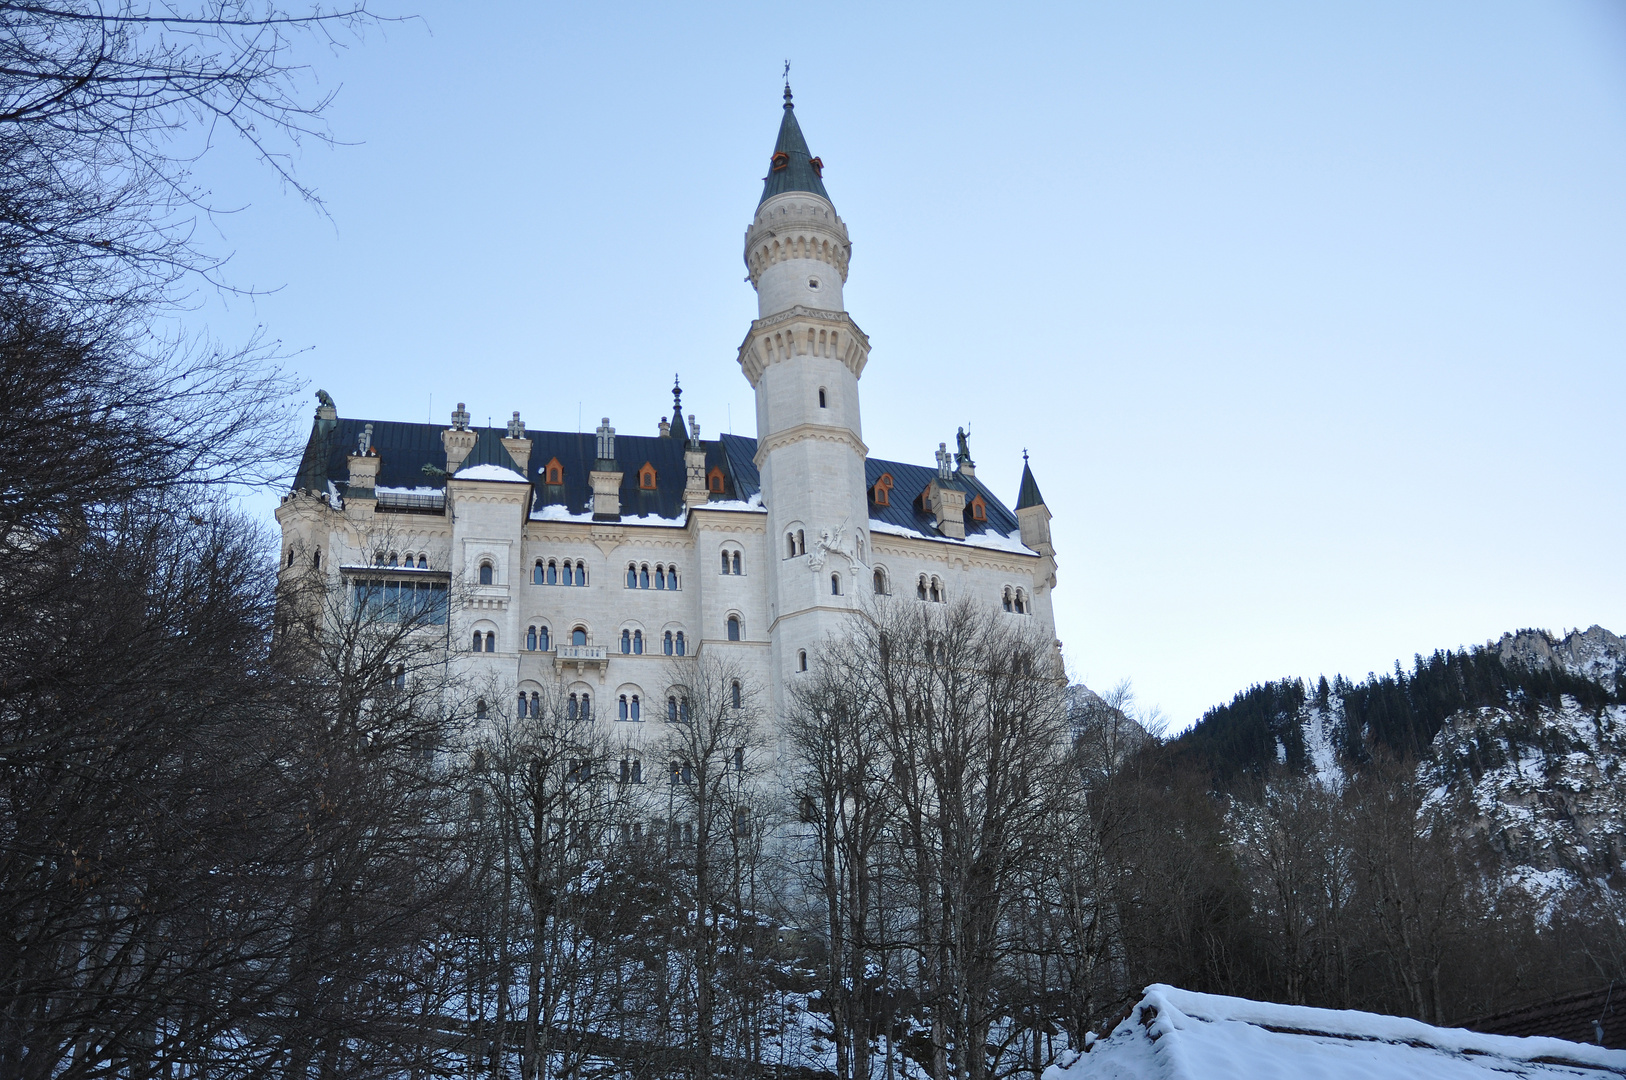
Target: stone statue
{"points": [[324, 398], [962, 455], [831, 542]]}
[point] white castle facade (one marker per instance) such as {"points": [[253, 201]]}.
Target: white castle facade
{"points": [[587, 564]]}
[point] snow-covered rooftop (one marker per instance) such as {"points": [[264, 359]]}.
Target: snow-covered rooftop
{"points": [[490, 472], [1174, 1034]]}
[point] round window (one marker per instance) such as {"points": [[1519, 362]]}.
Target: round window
{"points": [[813, 283]]}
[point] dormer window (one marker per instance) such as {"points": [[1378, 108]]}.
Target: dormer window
{"points": [[818, 166], [646, 477], [881, 493], [779, 162], [979, 509], [714, 481], [554, 473]]}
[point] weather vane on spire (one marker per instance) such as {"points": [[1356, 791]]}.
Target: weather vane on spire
{"points": [[787, 84]]}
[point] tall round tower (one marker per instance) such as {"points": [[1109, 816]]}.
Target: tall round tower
{"points": [[803, 356]]}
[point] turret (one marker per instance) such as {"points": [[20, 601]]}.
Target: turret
{"points": [[1034, 518]]}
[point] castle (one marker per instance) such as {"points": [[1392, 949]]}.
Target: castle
{"points": [[560, 561]]}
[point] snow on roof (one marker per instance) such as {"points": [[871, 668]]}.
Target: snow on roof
{"points": [[990, 539], [1174, 1034], [491, 472]]}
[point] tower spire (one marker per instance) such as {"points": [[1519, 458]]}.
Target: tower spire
{"points": [[678, 430], [792, 166]]}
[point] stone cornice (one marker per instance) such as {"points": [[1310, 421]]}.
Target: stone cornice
{"points": [[823, 432], [803, 331], [944, 550]]}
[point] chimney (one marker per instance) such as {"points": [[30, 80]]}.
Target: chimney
{"points": [[946, 499], [457, 439], [695, 492], [518, 445], [363, 467], [605, 478]]}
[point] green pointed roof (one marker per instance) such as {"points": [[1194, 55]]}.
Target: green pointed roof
{"points": [[799, 172], [1028, 495]]}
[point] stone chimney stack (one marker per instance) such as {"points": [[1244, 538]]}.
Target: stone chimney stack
{"points": [[364, 466], [457, 439], [695, 492], [945, 498], [518, 444], [606, 476]]}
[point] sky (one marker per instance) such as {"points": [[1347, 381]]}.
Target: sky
{"points": [[1311, 317]]}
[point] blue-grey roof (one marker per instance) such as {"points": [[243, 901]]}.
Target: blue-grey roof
{"points": [[1028, 495], [908, 481], [405, 449], [799, 172]]}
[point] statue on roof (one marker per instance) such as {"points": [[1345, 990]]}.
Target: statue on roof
{"points": [[962, 456]]}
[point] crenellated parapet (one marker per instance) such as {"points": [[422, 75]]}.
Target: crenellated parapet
{"points": [[793, 226]]}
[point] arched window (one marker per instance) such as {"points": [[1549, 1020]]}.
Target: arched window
{"points": [[801, 660], [480, 709], [835, 584], [487, 572], [725, 560], [578, 636], [626, 641], [570, 577], [660, 577], [423, 562], [714, 481], [821, 397], [1021, 602], [1008, 598], [394, 559], [920, 588], [622, 706], [632, 575], [680, 645], [637, 643], [734, 693], [643, 576], [737, 569], [530, 639], [491, 641], [291, 559], [581, 573], [801, 542], [671, 708], [880, 583], [733, 628], [542, 639], [571, 712], [553, 572], [587, 706], [524, 706], [979, 509], [539, 576], [316, 560], [536, 704], [683, 709], [671, 577], [936, 591], [479, 640], [637, 713], [666, 643], [790, 542]]}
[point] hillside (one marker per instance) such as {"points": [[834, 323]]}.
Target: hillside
{"points": [[1523, 739]]}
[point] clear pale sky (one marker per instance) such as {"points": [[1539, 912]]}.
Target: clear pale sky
{"points": [[1312, 316]]}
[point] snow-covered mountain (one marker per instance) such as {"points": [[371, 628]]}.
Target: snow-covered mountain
{"points": [[1522, 739]]}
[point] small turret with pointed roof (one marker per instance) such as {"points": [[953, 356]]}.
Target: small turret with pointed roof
{"points": [[792, 167], [1028, 494], [1034, 518]]}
